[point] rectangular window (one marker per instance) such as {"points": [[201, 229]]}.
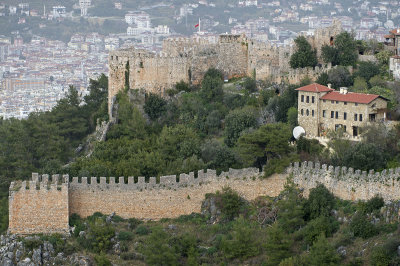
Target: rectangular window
{"points": [[332, 114], [312, 99], [344, 116], [332, 101], [337, 102], [324, 101], [355, 117], [312, 112], [337, 115], [345, 103], [356, 104], [302, 98], [360, 117], [308, 99], [345, 129], [302, 112], [323, 113]]}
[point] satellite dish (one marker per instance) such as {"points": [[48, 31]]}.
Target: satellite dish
{"points": [[298, 131]]}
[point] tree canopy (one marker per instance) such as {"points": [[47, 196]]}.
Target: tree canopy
{"points": [[304, 56]]}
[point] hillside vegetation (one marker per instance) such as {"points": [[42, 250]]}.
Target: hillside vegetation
{"points": [[244, 123]]}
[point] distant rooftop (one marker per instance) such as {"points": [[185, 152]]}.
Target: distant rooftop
{"points": [[315, 88]]}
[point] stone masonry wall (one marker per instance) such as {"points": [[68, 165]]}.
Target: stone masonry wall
{"points": [[346, 183], [41, 206], [169, 198], [38, 206], [188, 59]]}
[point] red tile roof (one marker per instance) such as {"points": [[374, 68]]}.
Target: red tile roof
{"points": [[395, 31], [350, 97], [314, 88]]}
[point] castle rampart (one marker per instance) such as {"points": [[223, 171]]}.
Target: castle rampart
{"points": [[188, 59], [347, 183], [43, 206], [39, 206]]}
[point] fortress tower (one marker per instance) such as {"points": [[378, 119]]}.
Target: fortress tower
{"points": [[187, 59]]}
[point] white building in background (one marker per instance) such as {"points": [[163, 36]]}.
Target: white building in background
{"points": [[138, 17], [111, 43], [24, 7], [84, 5], [13, 10], [59, 11], [162, 29], [132, 31]]}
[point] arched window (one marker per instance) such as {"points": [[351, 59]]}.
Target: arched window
{"points": [[307, 112]]}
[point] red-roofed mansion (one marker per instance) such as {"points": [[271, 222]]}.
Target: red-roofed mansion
{"points": [[322, 108]]}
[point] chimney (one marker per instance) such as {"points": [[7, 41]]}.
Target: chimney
{"points": [[343, 90], [329, 85]]}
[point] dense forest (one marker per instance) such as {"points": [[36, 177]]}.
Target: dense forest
{"points": [[243, 123]]}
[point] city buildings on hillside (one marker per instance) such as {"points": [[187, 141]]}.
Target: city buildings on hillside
{"points": [[321, 109], [35, 75]]}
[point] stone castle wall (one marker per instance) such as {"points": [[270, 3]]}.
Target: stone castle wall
{"points": [[188, 59], [46, 209], [36, 207], [347, 183], [167, 199]]}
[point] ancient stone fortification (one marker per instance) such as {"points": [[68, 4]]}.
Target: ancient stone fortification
{"points": [[44, 207], [346, 183], [47, 210], [188, 59], [37, 207]]}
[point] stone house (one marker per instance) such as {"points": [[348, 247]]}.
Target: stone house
{"points": [[392, 43], [322, 108]]}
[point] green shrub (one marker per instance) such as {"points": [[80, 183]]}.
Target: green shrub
{"points": [[58, 242], [184, 244], [125, 236], [229, 202], [320, 202], [118, 219], [387, 228], [321, 225], [195, 218], [242, 243], [101, 260], [98, 238], [74, 219], [380, 256], [95, 215], [157, 250], [374, 204], [142, 230], [133, 222], [32, 243], [362, 227], [128, 256], [278, 165]]}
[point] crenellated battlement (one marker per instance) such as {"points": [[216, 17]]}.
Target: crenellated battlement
{"points": [[344, 173], [43, 204], [188, 59], [170, 181], [348, 183]]}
